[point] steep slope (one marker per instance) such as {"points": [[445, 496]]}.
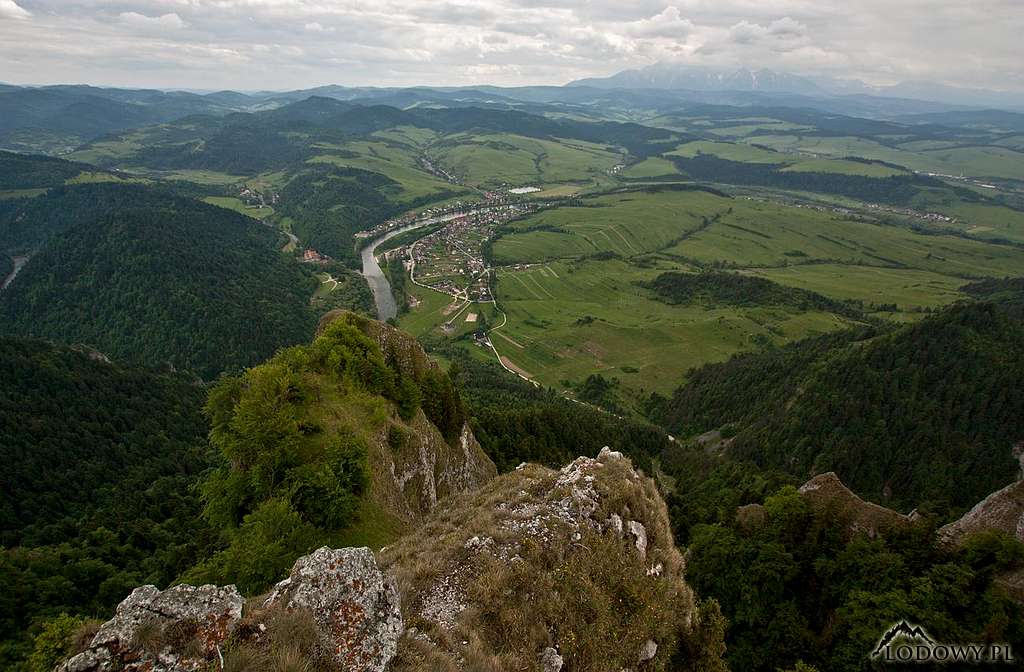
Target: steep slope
{"points": [[926, 413], [347, 440], [150, 277], [540, 567], [539, 571], [96, 491], [440, 457]]}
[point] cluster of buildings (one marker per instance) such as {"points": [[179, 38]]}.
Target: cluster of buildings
{"points": [[451, 260], [257, 199], [311, 256]]}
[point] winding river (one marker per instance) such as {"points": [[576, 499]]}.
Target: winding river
{"points": [[379, 285]]}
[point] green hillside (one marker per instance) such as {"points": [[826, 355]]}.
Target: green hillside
{"points": [[148, 277], [96, 495], [926, 413]]}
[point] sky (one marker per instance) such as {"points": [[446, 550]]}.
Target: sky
{"points": [[291, 44]]}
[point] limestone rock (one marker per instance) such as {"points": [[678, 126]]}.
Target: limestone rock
{"points": [[354, 604], [1003, 510], [514, 545], [826, 491], [176, 630], [638, 531]]}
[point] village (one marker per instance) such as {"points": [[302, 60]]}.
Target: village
{"points": [[451, 260]]}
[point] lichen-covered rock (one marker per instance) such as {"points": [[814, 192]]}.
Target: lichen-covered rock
{"points": [[353, 603], [179, 629], [1003, 510], [542, 568]]}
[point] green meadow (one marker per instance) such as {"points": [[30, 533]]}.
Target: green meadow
{"points": [[571, 314], [493, 159]]}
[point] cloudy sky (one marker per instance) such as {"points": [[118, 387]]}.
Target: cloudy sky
{"points": [[287, 44]]}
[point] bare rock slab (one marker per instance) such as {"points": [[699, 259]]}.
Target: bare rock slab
{"points": [[354, 604], [175, 630]]}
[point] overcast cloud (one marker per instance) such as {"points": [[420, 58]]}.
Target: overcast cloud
{"points": [[288, 44]]}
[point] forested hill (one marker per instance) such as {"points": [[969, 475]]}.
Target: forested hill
{"points": [[95, 494], [925, 414], [145, 276]]}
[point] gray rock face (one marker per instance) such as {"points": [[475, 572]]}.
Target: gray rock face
{"points": [[550, 661], [176, 630], [1003, 510], [354, 604]]}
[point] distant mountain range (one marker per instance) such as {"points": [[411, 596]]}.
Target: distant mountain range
{"points": [[59, 119], [671, 76]]}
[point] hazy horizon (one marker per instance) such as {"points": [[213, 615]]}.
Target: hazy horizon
{"points": [[255, 45]]}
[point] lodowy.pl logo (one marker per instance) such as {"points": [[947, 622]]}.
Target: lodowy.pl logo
{"points": [[908, 643]]}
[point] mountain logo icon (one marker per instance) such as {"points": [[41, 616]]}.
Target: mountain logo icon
{"points": [[905, 630]]}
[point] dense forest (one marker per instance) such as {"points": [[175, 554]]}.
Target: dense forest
{"points": [[96, 494], [329, 204], [30, 222], [795, 589], [895, 190], [19, 171], [924, 415], [714, 288], [150, 277]]}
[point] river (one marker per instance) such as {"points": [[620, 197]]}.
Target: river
{"points": [[379, 285]]}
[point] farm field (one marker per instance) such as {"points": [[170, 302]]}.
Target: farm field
{"points": [[909, 289], [398, 163], [655, 166], [627, 224], [236, 204], [728, 150], [981, 161], [570, 319], [758, 234], [571, 314]]}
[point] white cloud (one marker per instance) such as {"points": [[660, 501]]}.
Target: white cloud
{"points": [[163, 22], [291, 43], [668, 23], [9, 9]]}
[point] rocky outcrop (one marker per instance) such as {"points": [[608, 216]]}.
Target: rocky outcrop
{"points": [[518, 575], [825, 492], [354, 605], [180, 629], [538, 570], [1003, 510], [412, 465]]}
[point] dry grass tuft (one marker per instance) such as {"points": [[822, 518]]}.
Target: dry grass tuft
{"points": [[288, 641]]}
